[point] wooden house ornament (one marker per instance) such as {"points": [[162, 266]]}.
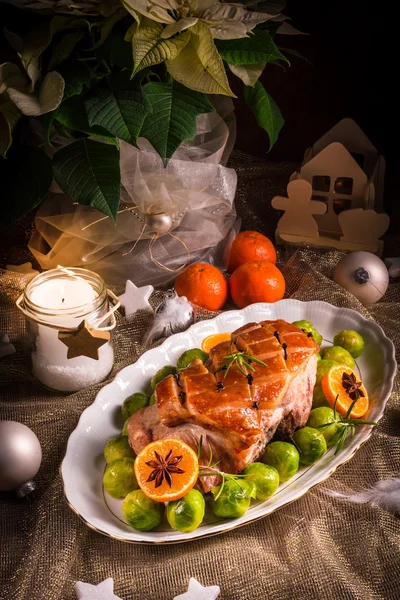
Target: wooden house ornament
{"points": [[345, 175]]}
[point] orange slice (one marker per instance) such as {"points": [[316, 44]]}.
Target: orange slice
{"points": [[333, 385], [166, 469], [212, 340]]}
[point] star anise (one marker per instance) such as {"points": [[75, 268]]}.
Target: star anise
{"points": [[352, 386], [163, 468]]}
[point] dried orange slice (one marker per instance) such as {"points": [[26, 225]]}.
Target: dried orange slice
{"points": [[212, 340], [342, 382], [166, 469]]}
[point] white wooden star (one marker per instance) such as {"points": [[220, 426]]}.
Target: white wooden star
{"points": [[197, 592], [25, 269], [393, 265], [102, 591], [135, 298]]}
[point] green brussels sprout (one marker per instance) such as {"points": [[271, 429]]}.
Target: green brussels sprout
{"points": [[152, 399], [340, 355], [234, 499], [265, 478], [351, 341], [162, 374], [119, 477], [134, 403], [318, 355], [320, 416], [187, 357], [308, 327], [323, 367], [284, 457], [117, 448], [141, 512], [124, 431], [187, 513], [311, 443], [319, 398]]}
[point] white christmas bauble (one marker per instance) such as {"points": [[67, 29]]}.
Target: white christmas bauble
{"points": [[364, 275], [160, 223], [20, 457]]}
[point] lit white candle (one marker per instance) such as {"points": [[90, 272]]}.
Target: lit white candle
{"points": [[64, 298]]}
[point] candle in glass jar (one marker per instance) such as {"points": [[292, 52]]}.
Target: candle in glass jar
{"points": [[63, 298]]}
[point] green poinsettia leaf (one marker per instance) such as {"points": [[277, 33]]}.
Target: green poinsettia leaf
{"points": [[173, 116], [199, 66], [257, 48], [265, 110], [118, 106], [116, 52], [72, 113], [76, 76], [149, 48], [88, 172], [24, 182], [249, 74], [63, 49]]}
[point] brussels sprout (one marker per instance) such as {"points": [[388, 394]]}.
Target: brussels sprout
{"points": [[187, 513], [308, 327], [162, 374], [340, 355], [117, 448], [186, 358], [323, 367], [141, 512], [319, 398], [152, 399], [119, 477], [320, 416], [265, 478], [311, 443], [134, 403], [125, 428], [234, 499], [351, 341], [284, 457], [318, 355]]}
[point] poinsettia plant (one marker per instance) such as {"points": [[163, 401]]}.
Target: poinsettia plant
{"points": [[96, 72]]}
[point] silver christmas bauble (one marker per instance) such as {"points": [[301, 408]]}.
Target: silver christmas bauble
{"points": [[159, 223], [364, 275], [20, 457]]}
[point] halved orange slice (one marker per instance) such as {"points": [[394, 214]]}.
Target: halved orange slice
{"points": [[342, 382], [166, 469], [212, 340]]}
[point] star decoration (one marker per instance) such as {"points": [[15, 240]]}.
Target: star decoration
{"points": [[197, 592], [102, 591], [25, 269], [135, 298], [84, 341], [393, 265]]}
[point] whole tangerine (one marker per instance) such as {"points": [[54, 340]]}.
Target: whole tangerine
{"points": [[256, 281], [203, 285], [249, 246]]}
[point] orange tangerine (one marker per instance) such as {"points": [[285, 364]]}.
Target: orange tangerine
{"points": [[335, 383], [212, 340], [166, 469]]}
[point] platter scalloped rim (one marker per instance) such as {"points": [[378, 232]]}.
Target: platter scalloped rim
{"points": [[83, 465]]}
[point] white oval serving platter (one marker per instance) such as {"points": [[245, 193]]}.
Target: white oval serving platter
{"points": [[83, 465]]}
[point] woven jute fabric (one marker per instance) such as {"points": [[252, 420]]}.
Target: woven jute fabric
{"points": [[315, 548]]}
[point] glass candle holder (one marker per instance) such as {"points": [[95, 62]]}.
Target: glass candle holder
{"points": [[61, 300]]}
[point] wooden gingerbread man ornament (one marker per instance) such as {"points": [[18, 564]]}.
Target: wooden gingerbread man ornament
{"points": [[299, 208]]}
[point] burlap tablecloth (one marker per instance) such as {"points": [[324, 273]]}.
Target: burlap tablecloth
{"points": [[316, 548]]}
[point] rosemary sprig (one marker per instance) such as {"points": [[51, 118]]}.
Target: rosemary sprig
{"points": [[241, 360], [347, 423], [210, 469]]}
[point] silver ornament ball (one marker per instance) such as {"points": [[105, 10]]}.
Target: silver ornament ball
{"points": [[364, 275], [159, 223], [20, 457]]}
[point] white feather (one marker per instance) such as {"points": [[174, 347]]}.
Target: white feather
{"points": [[174, 314], [384, 494]]}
